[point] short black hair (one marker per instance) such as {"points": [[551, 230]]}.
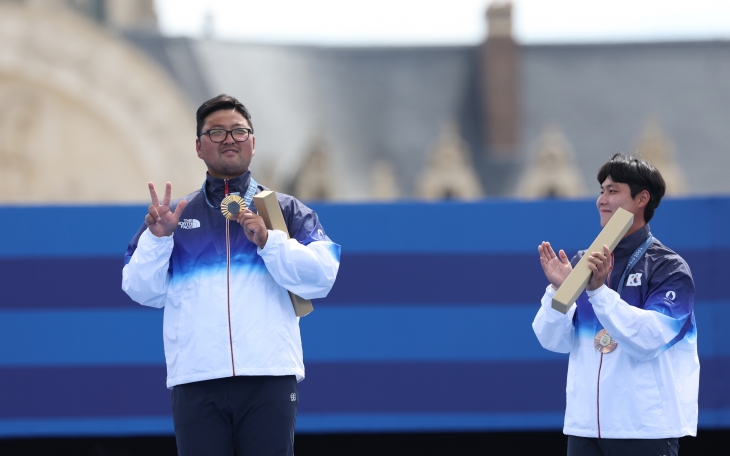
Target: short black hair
{"points": [[220, 103], [639, 174]]}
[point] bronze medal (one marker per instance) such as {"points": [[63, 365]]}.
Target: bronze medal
{"points": [[231, 206], [604, 343]]}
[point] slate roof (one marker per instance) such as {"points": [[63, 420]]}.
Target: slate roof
{"points": [[365, 103], [600, 95], [370, 103]]}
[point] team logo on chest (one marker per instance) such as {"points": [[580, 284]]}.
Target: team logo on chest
{"points": [[189, 224], [634, 280]]}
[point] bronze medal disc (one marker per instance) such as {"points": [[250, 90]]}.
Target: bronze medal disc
{"points": [[604, 343], [231, 206]]}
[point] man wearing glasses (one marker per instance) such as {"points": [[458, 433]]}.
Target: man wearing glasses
{"points": [[232, 342]]}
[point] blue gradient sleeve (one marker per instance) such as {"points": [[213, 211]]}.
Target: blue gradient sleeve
{"points": [[666, 317], [302, 222]]}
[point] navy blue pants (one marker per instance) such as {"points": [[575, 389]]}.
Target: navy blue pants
{"points": [[254, 415], [583, 446]]}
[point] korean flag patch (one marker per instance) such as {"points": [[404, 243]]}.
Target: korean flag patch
{"points": [[634, 280]]}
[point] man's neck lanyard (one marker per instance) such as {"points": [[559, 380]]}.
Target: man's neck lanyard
{"points": [[247, 197], [634, 259], [603, 341], [250, 192]]}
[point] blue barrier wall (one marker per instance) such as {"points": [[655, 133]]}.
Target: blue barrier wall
{"points": [[427, 328]]}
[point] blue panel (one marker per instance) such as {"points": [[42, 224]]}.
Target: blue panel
{"points": [[513, 226], [349, 389], [423, 333], [83, 392], [419, 332], [63, 283], [491, 226], [363, 279], [712, 319], [98, 426], [322, 423], [487, 226], [440, 422], [455, 332], [435, 333], [714, 418], [434, 387], [69, 231], [81, 337], [478, 278], [450, 387]]}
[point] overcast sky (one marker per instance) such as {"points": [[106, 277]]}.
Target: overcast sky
{"points": [[432, 22]]}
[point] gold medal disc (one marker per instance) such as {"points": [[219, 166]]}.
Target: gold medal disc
{"points": [[604, 343], [231, 206]]}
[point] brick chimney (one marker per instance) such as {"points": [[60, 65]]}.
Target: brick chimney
{"points": [[499, 64]]}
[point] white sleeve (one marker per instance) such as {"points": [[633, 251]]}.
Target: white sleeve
{"points": [[642, 333], [308, 270], [145, 277], [554, 329]]}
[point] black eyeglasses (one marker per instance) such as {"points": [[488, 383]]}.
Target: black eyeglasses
{"points": [[218, 135]]}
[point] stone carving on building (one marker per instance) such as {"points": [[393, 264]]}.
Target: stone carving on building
{"points": [[552, 171], [656, 147], [314, 180], [449, 172], [385, 181], [86, 117]]}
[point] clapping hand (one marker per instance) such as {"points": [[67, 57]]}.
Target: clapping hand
{"points": [[160, 220], [600, 264], [556, 268]]}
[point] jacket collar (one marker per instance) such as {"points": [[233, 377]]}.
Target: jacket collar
{"points": [[630, 243], [215, 188]]}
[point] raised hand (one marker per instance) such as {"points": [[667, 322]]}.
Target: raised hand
{"points": [[159, 219], [254, 227], [599, 263], [556, 268]]}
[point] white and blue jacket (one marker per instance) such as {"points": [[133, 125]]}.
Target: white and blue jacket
{"points": [[647, 387], [227, 310]]}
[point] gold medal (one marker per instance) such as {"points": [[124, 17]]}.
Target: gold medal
{"points": [[604, 343], [231, 206]]}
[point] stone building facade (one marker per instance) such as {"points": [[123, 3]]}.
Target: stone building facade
{"points": [[96, 104]]}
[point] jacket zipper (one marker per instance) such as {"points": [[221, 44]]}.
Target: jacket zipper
{"points": [[600, 365], [598, 397], [228, 282]]}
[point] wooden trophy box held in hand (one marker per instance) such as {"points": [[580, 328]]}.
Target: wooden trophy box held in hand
{"points": [[578, 278], [268, 208]]}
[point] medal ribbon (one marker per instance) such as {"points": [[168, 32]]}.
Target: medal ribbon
{"points": [[599, 342], [247, 197], [250, 192]]}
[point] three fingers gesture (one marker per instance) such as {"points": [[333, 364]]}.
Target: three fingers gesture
{"points": [[159, 219]]}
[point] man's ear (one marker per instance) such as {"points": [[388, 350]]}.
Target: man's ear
{"points": [[253, 145], [642, 199], [197, 147]]}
